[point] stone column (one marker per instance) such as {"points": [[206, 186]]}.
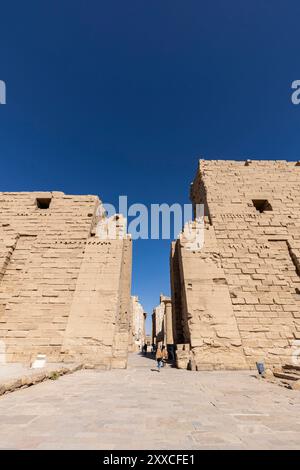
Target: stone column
{"points": [[169, 322], [144, 327], [153, 328]]}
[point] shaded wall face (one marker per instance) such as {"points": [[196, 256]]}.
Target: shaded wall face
{"points": [[60, 287], [257, 248]]}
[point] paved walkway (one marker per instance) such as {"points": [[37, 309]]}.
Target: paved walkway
{"points": [[142, 409]]}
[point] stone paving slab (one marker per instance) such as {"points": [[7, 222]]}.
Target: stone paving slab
{"points": [[139, 408]]}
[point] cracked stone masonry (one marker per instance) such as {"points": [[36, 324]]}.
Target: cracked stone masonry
{"points": [[66, 293]]}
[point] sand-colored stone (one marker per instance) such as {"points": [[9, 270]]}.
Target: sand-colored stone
{"points": [[236, 301], [11, 381], [162, 322], [137, 325], [64, 291]]}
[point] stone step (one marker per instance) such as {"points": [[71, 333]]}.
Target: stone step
{"points": [[285, 375], [291, 368]]}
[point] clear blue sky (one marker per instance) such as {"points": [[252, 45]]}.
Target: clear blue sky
{"points": [[122, 97]]}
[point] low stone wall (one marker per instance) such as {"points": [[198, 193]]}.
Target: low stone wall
{"points": [[33, 376]]}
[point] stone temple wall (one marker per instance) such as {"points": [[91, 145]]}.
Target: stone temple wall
{"points": [[237, 300], [162, 322], [137, 325], [64, 292]]}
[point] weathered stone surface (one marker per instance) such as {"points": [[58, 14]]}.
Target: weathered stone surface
{"points": [[183, 356], [116, 410], [284, 375], [162, 322], [30, 377], [236, 300], [64, 291], [296, 385]]}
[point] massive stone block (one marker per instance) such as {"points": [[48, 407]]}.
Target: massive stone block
{"points": [[64, 291], [162, 322], [236, 300]]}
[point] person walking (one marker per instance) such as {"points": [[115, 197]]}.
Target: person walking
{"points": [[159, 358]]}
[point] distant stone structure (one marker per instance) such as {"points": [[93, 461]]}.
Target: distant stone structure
{"points": [[64, 287], [162, 324], [137, 326], [237, 299]]}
